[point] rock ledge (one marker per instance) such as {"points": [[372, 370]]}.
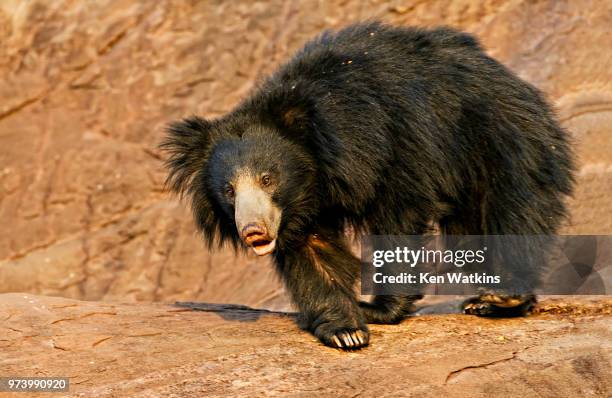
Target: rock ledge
{"points": [[137, 350]]}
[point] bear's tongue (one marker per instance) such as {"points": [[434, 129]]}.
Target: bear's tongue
{"points": [[261, 247]]}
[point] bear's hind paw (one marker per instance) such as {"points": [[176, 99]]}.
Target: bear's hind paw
{"points": [[499, 306]]}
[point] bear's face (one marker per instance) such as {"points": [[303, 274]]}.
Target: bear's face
{"points": [[261, 182], [247, 182]]}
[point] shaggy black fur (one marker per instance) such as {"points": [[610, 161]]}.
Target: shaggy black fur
{"points": [[385, 130]]}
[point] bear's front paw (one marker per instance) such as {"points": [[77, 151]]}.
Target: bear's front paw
{"points": [[346, 338]]}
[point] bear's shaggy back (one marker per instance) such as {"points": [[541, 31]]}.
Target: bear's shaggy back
{"points": [[412, 125]]}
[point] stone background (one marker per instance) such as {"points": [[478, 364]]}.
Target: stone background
{"points": [[87, 87]]}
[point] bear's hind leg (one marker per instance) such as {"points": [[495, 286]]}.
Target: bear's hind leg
{"points": [[523, 270]]}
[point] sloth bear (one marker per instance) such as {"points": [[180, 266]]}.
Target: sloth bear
{"points": [[380, 130]]}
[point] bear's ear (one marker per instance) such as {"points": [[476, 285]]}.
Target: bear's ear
{"points": [[187, 143], [295, 118], [291, 110]]}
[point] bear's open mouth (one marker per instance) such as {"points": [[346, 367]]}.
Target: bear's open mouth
{"points": [[263, 246]]}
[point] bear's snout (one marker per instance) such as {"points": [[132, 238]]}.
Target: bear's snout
{"points": [[257, 217]]}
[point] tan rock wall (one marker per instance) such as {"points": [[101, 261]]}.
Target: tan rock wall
{"points": [[87, 87]]}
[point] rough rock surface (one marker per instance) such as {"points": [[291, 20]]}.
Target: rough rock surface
{"points": [[87, 86], [146, 350]]}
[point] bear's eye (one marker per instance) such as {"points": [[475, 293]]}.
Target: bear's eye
{"points": [[265, 180], [229, 191]]}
